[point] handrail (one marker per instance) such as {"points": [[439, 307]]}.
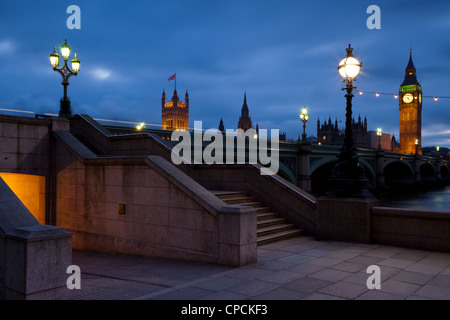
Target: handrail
{"points": [[310, 200]]}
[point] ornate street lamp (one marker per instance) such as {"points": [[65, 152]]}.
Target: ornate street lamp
{"points": [[66, 73], [304, 117], [379, 134], [348, 178]]}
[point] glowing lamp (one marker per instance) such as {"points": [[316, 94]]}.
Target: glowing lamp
{"points": [[65, 50], [76, 64], [379, 133], [304, 115], [54, 59], [349, 67], [140, 126]]}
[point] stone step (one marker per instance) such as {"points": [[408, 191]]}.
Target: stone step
{"points": [[238, 200], [274, 228], [223, 195], [270, 222], [266, 215], [270, 226], [274, 237], [253, 204], [261, 210]]}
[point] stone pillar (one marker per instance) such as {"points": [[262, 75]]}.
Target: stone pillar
{"points": [[344, 219], [416, 164], [237, 236], [303, 176], [437, 168], [37, 258], [379, 169], [58, 124], [33, 257]]}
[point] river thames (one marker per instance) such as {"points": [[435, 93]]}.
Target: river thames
{"points": [[435, 200]]}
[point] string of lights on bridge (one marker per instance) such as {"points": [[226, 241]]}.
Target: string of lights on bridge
{"points": [[395, 95]]}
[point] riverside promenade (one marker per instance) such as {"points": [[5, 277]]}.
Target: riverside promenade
{"points": [[295, 269]]}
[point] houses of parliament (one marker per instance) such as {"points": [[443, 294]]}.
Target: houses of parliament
{"points": [[175, 116]]}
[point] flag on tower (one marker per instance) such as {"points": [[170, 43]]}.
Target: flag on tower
{"points": [[173, 77]]}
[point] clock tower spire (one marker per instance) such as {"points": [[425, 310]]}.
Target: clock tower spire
{"points": [[410, 107]]}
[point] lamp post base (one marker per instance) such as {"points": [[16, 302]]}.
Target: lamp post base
{"points": [[348, 179], [64, 110]]}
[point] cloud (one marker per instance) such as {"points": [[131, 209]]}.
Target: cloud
{"points": [[6, 46], [101, 74]]}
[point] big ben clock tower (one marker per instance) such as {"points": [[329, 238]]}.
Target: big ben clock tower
{"points": [[410, 106]]}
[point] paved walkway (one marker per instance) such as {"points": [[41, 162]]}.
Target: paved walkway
{"points": [[298, 268]]}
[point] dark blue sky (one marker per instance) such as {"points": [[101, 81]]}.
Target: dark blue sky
{"points": [[284, 54]]}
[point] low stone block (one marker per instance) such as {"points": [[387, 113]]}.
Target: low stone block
{"points": [[344, 219]]}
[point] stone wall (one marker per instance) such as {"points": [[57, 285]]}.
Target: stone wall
{"points": [[419, 229], [24, 145], [146, 206]]}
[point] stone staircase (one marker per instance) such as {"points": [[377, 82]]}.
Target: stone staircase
{"points": [[270, 226]]}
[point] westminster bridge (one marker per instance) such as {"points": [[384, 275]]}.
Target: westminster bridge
{"points": [[310, 166]]}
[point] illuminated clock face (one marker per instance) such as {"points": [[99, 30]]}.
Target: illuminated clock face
{"points": [[407, 98]]}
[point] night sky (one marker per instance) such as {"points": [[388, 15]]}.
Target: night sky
{"points": [[283, 54]]}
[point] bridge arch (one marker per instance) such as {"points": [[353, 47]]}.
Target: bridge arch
{"points": [[369, 171], [322, 170], [398, 172], [427, 173], [286, 173], [445, 173]]}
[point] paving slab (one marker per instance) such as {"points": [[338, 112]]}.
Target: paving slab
{"points": [[293, 269]]}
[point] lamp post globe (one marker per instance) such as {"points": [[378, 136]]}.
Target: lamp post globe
{"points": [[65, 73], [348, 178], [304, 118], [379, 134]]}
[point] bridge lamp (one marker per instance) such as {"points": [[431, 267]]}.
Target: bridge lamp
{"points": [[304, 117], [379, 134], [416, 142], [65, 73], [140, 126], [348, 178]]}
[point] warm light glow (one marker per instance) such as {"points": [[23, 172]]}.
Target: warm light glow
{"points": [[360, 93], [349, 68], [395, 96], [65, 50], [54, 59], [304, 115], [435, 99], [140, 126], [437, 148], [30, 189], [377, 94], [76, 64], [416, 142], [379, 133]]}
